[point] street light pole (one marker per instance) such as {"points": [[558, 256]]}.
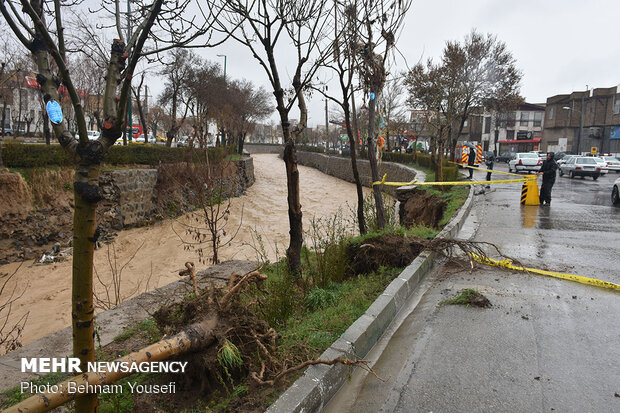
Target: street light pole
{"points": [[224, 56], [580, 123]]}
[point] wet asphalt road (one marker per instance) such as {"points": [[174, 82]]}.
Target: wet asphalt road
{"points": [[545, 345]]}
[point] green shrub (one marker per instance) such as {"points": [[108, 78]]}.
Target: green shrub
{"points": [[310, 148], [319, 298], [19, 155]]}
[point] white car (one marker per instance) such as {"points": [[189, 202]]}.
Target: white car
{"points": [[615, 193], [613, 164], [93, 135], [525, 162], [565, 159], [602, 164]]}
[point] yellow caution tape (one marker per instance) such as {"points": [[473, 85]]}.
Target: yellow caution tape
{"points": [[570, 277], [486, 170], [527, 178]]}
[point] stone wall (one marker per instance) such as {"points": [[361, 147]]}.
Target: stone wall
{"points": [[136, 194], [130, 194], [253, 148], [341, 168]]}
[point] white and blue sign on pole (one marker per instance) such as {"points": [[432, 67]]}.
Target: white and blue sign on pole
{"points": [[54, 111], [372, 96]]}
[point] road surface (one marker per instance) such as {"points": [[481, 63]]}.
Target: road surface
{"points": [[545, 345]]}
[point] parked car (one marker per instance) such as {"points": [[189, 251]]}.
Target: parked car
{"points": [[615, 193], [559, 155], [151, 139], [581, 166], [565, 159], [93, 135], [525, 162], [7, 130], [602, 164], [613, 164], [505, 157]]}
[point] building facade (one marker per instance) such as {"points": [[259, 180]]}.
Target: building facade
{"points": [[583, 122], [519, 130]]}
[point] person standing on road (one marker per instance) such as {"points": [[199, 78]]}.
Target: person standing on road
{"points": [[547, 170], [490, 161], [471, 161]]}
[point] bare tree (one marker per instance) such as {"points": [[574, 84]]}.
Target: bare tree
{"points": [[250, 105], [343, 64], [380, 23], [206, 92], [10, 330], [161, 22], [177, 73], [392, 108], [486, 74], [260, 26]]}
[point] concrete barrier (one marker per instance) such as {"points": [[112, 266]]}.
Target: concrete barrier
{"points": [[340, 167]]}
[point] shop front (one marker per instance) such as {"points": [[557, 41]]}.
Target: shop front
{"points": [[520, 145]]}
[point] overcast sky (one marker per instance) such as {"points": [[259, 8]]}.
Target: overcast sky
{"points": [[559, 45]]}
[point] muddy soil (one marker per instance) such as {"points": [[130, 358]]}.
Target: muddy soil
{"points": [[391, 250], [154, 255], [421, 207]]}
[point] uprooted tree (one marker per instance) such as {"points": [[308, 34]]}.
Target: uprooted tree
{"points": [[158, 25]]}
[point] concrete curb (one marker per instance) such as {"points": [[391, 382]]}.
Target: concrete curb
{"points": [[312, 391]]}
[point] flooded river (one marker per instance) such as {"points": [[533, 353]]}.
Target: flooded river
{"points": [[160, 253]]}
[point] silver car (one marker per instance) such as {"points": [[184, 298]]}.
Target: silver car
{"points": [[581, 166]]}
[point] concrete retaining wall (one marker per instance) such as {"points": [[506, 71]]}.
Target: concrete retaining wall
{"points": [[129, 194], [253, 148], [341, 168]]}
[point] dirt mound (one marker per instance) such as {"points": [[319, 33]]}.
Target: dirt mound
{"points": [[16, 198], [469, 297], [421, 207], [391, 250]]}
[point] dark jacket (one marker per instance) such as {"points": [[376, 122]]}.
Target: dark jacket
{"points": [[471, 159], [548, 169]]}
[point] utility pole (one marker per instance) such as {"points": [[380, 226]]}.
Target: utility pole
{"points": [[581, 121], [224, 56]]}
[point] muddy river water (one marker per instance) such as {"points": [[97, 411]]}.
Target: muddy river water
{"points": [[160, 253]]}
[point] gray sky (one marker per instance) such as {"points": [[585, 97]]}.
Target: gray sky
{"points": [[560, 46]]}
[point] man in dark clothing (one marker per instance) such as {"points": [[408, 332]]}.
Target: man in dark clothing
{"points": [[547, 170], [490, 163], [471, 161]]}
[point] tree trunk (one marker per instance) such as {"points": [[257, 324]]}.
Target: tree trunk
{"points": [[372, 158], [356, 175], [82, 308], [293, 252], [46, 127], [240, 144]]}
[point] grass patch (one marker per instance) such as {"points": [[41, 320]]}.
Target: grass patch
{"points": [[468, 297], [327, 313], [146, 329]]}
